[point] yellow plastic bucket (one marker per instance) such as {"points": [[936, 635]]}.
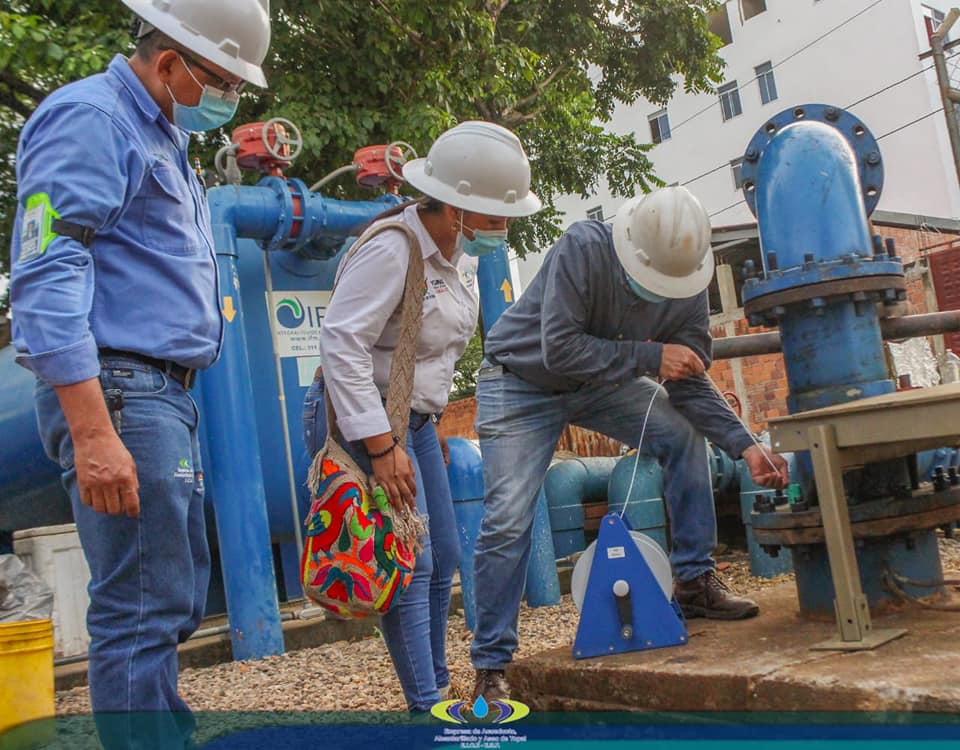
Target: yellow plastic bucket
{"points": [[26, 684]]}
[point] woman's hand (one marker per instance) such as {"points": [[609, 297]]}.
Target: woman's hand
{"points": [[394, 472]]}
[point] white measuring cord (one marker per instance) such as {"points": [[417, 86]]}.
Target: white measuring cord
{"points": [[753, 437], [643, 430]]}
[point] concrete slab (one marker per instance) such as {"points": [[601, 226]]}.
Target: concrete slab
{"points": [[763, 664]]}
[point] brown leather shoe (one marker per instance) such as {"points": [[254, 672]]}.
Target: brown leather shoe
{"points": [[708, 596], [492, 685]]}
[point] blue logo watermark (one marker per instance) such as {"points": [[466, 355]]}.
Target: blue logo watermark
{"points": [[480, 711]]}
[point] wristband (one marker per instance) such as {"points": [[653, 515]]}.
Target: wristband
{"points": [[386, 452]]}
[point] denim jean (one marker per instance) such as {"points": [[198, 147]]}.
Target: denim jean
{"points": [[517, 419], [149, 574], [415, 629]]}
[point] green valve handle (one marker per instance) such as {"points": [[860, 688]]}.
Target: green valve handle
{"points": [[794, 493]]}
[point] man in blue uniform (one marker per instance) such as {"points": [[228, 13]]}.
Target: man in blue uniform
{"points": [[612, 309], [114, 293]]}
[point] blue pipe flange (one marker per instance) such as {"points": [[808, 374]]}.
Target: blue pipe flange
{"points": [[293, 226], [861, 140]]}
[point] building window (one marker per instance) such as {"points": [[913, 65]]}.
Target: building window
{"points": [[751, 8], [736, 166], [595, 213], [659, 126], [932, 18], [730, 100], [719, 22], [768, 86]]}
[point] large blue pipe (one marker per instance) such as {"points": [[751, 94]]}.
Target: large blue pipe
{"points": [[812, 175], [806, 173], [495, 287], [833, 347]]}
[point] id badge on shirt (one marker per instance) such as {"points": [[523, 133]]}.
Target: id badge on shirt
{"points": [[35, 233]]}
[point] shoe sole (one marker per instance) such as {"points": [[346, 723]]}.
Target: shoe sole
{"points": [[720, 614]]}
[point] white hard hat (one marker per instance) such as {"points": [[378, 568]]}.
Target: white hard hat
{"points": [[234, 34], [663, 242], [476, 166]]}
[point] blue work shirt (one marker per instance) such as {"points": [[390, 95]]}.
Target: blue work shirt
{"points": [[579, 324], [107, 158]]}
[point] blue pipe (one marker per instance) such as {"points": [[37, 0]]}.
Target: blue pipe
{"points": [[543, 583], [821, 181], [644, 508], [30, 490], [236, 475], [812, 174], [269, 212], [832, 346], [762, 563], [567, 486], [465, 472], [495, 287]]}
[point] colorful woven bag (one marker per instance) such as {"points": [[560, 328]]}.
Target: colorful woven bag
{"points": [[359, 551]]}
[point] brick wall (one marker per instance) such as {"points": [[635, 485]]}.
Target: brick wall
{"points": [[764, 377], [458, 419]]}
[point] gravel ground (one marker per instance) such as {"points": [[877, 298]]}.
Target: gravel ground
{"points": [[358, 676]]}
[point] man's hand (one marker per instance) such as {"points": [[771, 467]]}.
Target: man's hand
{"points": [[678, 362], [758, 461], [106, 472]]}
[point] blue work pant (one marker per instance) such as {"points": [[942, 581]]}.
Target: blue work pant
{"points": [[415, 629], [519, 425], [149, 574]]}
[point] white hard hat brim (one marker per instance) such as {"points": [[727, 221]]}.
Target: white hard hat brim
{"points": [[413, 172], [664, 285]]}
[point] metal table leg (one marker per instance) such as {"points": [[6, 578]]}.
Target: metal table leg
{"points": [[853, 615]]}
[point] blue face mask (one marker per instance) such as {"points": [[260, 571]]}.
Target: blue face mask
{"points": [[643, 293], [484, 242], [214, 109]]}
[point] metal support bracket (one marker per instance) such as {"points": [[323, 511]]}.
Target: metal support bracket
{"points": [[853, 615]]}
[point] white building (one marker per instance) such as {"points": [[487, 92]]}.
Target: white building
{"points": [[862, 55]]}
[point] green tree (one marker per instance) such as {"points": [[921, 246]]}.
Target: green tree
{"points": [[357, 72], [467, 367]]}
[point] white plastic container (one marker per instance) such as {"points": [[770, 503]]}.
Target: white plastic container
{"points": [[55, 555]]}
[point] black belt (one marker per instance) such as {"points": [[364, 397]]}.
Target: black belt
{"points": [[185, 376], [418, 419]]}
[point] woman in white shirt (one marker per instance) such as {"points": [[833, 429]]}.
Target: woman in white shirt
{"points": [[475, 176]]}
